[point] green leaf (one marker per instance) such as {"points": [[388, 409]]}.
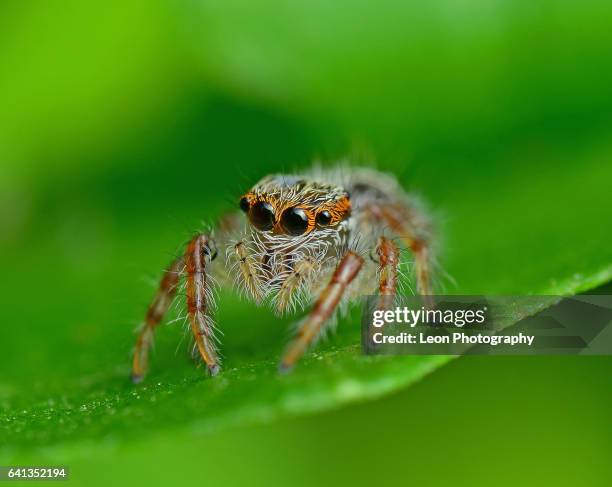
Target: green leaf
{"points": [[518, 229], [522, 208]]}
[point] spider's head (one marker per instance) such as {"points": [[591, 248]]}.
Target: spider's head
{"points": [[294, 206]]}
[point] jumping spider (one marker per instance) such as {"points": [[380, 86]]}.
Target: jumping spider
{"points": [[325, 237]]}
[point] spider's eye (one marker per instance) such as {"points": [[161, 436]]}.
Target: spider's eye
{"points": [[261, 215], [294, 221], [244, 204], [324, 218]]}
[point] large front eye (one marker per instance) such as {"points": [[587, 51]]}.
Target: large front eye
{"points": [[261, 215], [294, 221]]}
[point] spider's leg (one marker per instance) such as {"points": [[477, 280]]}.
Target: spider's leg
{"points": [[388, 262], [155, 313], [250, 271], [347, 270], [300, 274], [199, 298], [410, 227]]}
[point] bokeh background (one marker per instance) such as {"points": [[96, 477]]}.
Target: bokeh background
{"points": [[127, 125]]}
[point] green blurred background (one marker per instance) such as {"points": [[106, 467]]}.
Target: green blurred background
{"points": [[126, 124]]}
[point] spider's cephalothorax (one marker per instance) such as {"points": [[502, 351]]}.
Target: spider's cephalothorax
{"points": [[294, 226], [319, 239]]}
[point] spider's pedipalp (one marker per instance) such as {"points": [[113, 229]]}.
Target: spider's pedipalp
{"points": [[288, 294], [250, 272]]}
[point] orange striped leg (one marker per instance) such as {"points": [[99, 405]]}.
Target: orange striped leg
{"points": [[402, 221], [199, 299], [155, 313], [388, 260], [346, 271]]}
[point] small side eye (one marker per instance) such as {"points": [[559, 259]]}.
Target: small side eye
{"points": [[261, 216], [244, 204], [294, 221], [324, 218]]}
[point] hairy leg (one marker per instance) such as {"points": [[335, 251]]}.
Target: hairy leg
{"points": [[347, 270], [388, 261], [199, 299], [155, 313], [193, 263], [410, 227]]}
